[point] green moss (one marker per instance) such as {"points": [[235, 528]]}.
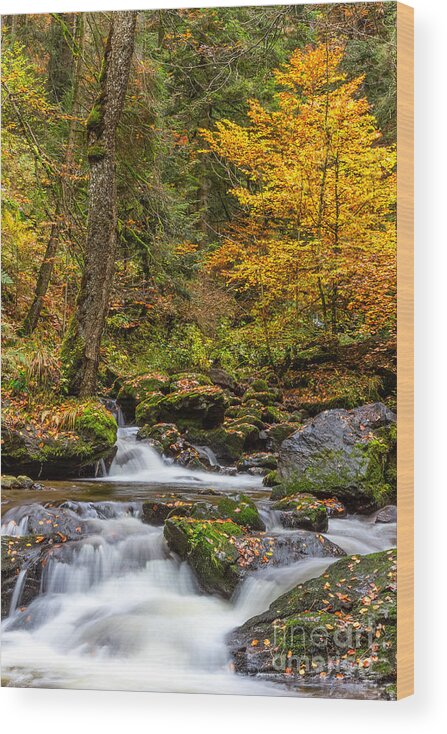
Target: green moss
{"points": [[97, 424], [96, 152], [141, 387], [303, 511], [342, 623], [264, 398], [209, 548], [271, 479], [242, 511], [201, 407], [95, 120]]}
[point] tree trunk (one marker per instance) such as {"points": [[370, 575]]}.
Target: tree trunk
{"points": [[43, 281], [47, 265], [80, 353]]}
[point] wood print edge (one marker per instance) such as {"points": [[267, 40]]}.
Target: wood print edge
{"points": [[405, 353]]}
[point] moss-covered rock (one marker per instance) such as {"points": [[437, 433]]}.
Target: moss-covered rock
{"points": [[201, 407], [209, 547], [346, 454], [221, 552], [20, 482], [272, 414], [188, 381], [69, 441], [340, 625], [167, 435], [241, 510], [267, 397], [228, 442], [303, 511], [278, 433], [260, 459], [271, 479], [140, 387]]}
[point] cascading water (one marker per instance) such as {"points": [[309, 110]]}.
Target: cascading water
{"points": [[137, 461], [117, 610]]}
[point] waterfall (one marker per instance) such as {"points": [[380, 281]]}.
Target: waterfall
{"points": [[137, 461]]}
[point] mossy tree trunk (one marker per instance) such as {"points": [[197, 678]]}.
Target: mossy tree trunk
{"points": [[80, 353]]}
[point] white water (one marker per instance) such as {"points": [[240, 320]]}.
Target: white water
{"points": [[123, 613], [136, 461], [119, 611]]}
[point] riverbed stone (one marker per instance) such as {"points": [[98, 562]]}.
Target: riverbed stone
{"points": [[340, 626], [17, 554], [387, 514], [71, 447], [349, 454], [303, 511]]}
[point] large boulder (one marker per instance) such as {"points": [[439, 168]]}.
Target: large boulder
{"points": [[228, 441], [138, 388], [66, 440], [201, 407], [341, 625], [239, 509], [221, 553], [347, 453]]}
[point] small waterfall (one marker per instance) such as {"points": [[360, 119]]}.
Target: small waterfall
{"points": [[207, 453], [17, 593], [137, 461]]}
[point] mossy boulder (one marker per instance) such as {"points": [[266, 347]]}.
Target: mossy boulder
{"points": [[303, 511], [278, 433], [20, 482], [221, 553], [188, 380], [138, 388], [201, 407], [68, 442], [209, 547], [260, 459], [339, 627], [267, 397], [241, 510], [228, 442], [272, 414], [271, 479], [347, 454], [166, 434]]}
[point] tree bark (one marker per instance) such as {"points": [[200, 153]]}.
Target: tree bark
{"points": [[43, 281], [80, 353]]}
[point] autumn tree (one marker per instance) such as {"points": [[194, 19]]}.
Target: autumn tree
{"points": [[82, 345], [318, 232]]}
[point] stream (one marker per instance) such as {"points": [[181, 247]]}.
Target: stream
{"points": [[124, 613]]}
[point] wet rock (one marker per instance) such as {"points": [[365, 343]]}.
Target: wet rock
{"points": [[200, 407], [260, 460], [155, 513], [41, 451], [20, 482], [278, 433], [271, 479], [341, 624], [210, 550], [221, 553], [138, 388], [222, 378], [347, 453], [227, 442], [21, 554], [59, 523], [167, 434], [303, 511], [387, 514]]}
